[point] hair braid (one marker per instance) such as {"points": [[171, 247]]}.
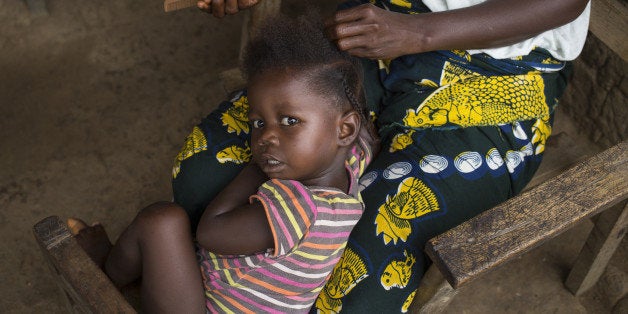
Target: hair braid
{"points": [[353, 100]]}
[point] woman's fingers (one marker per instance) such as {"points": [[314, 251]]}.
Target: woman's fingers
{"points": [[231, 7], [348, 43], [335, 24], [220, 8], [352, 14], [370, 32], [358, 21], [353, 29], [204, 5], [245, 4]]}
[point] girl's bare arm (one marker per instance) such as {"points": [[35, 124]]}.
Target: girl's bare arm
{"points": [[371, 32], [230, 225]]}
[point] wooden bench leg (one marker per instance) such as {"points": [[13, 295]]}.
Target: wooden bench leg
{"points": [[606, 235], [434, 293], [87, 287]]}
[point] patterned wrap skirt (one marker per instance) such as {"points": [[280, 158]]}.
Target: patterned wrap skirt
{"points": [[460, 133]]}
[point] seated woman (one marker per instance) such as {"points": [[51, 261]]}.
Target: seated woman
{"points": [[462, 94]]}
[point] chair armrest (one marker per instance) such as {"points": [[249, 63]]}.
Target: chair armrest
{"points": [[535, 216]]}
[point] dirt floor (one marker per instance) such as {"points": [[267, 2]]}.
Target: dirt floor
{"points": [[96, 99]]}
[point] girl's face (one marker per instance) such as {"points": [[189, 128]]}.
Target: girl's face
{"points": [[294, 130]]}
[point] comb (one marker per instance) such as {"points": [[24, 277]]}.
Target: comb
{"points": [[173, 5]]}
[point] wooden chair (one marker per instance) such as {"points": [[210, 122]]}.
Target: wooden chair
{"points": [[595, 186]]}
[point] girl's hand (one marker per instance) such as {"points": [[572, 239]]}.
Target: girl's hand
{"points": [[371, 32], [220, 8]]}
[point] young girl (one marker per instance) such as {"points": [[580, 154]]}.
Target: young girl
{"points": [[269, 241]]}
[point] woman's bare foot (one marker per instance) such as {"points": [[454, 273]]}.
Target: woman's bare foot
{"points": [[93, 239]]}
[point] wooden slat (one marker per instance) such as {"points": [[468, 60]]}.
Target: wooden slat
{"points": [[536, 215], [85, 284], [605, 237], [434, 293], [609, 23]]}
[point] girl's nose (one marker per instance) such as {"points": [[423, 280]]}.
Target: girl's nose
{"points": [[267, 137]]}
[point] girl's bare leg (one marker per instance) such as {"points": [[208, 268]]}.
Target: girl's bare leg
{"points": [[158, 247]]}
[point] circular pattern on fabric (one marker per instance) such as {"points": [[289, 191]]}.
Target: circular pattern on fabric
{"points": [[467, 162], [493, 159], [397, 170], [433, 164], [513, 160], [367, 179]]}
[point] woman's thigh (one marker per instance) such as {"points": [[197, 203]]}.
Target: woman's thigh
{"points": [[213, 154], [422, 184]]}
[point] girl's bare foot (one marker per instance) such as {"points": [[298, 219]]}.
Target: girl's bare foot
{"points": [[93, 239]]}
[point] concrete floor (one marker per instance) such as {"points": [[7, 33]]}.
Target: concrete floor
{"points": [[95, 102]]}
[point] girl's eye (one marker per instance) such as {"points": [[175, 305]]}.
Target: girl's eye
{"points": [[257, 123], [289, 121]]}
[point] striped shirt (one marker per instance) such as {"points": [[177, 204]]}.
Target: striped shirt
{"points": [[310, 226]]}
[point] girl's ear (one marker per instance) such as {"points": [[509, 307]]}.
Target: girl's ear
{"points": [[348, 128]]}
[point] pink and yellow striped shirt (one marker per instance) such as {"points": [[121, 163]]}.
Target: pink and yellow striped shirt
{"points": [[310, 226]]}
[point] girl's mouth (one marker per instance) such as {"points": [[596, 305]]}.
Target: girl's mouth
{"points": [[270, 164]]}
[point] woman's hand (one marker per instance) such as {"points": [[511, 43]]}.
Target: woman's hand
{"points": [[220, 8], [371, 32]]}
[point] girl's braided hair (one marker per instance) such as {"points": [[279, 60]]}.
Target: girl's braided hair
{"points": [[300, 44]]}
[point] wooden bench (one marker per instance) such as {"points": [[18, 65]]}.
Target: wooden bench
{"points": [[596, 185]]}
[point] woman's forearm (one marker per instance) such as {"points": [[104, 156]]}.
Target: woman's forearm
{"points": [[370, 32], [493, 23]]}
